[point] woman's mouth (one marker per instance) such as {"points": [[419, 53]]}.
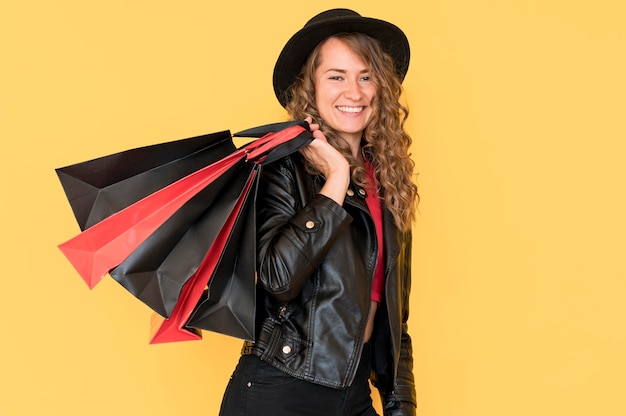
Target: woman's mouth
{"points": [[350, 110]]}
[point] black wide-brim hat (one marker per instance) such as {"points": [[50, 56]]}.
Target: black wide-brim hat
{"points": [[326, 24]]}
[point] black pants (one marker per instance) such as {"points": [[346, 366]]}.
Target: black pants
{"points": [[258, 389]]}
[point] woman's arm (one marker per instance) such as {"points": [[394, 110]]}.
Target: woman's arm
{"points": [[292, 238]]}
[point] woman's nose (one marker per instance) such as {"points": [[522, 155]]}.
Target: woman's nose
{"points": [[353, 90]]}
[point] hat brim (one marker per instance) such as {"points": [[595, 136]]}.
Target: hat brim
{"points": [[301, 44]]}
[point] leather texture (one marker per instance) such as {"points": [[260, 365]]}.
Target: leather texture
{"points": [[316, 261]]}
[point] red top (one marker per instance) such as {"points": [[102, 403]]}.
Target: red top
{"points": [[374, 204]]}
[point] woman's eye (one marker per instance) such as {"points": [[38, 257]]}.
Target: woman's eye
{"points": [[336, 77]]}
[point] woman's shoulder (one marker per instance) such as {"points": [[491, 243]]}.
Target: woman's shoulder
{"points": [[289, 165], [291, 171]]}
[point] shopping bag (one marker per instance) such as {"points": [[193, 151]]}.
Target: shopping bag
{"points": [[103, 246], [184, 232], [233, 250], [100, 187], [107, 243], [156, 271]]}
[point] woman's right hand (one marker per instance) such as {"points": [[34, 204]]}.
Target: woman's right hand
{"points": [[330, 162]]}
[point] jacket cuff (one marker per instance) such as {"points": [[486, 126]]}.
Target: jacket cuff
{"points": [[399, 403]]}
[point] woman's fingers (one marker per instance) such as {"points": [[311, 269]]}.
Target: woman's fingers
{"points": [[315, 129]]}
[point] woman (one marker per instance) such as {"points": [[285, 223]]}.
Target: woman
{"points": [[333, 231]]}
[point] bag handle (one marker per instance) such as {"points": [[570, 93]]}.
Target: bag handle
{"points": [[287, 148], [276, 145], [261, 131]]}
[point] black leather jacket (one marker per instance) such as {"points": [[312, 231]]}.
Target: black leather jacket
{"points": [[316, 260]]}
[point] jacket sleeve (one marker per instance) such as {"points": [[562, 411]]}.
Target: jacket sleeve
{"points": [[401, 400], [293, 237]]}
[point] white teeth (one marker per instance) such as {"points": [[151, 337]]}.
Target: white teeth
{"points": [[350, 109]]}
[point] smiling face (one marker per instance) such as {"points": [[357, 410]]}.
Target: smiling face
{"points": [[343, 90]]}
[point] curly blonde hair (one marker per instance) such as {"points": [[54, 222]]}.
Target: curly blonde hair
{"points": [[384, 143]]}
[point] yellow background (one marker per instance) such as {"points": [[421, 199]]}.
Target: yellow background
{"points": [[518, 119]]}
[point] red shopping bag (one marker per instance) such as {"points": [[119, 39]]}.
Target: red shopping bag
{"points": [[106, 244], [235, 229]]}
